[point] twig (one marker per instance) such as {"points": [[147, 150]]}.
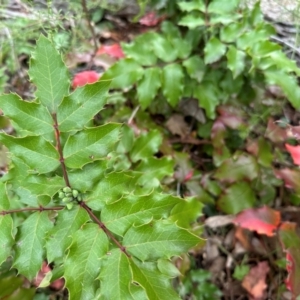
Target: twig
{"points": [[104, 228], [41, 208], [59, 149]]}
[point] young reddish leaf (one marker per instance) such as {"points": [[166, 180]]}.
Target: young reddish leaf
{"points": [[255, 281], [263, 220], [150, 19], [275, 133], [85, 77], [189, 175], [113, 50], [291, 244], [290, 178], [295, 153], [230, 116]]}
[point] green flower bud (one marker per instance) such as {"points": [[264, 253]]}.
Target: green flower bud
{"points": [[68, 194], [67, 199], [61, 195], [67, 189], [79, 198], [75, 193]]}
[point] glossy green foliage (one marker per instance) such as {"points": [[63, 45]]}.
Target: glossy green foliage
{"points": [[104, 226]]}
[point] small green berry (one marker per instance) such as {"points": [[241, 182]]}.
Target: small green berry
{"points": [[67, 189], [67, 199], [75, 193], [79, 198], [61, 195], [68, 194]]}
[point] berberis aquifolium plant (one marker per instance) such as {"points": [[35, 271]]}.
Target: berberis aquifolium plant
{"points": [[62, 202]]}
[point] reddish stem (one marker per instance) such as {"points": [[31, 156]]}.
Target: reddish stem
{"points": [[41, 208]]}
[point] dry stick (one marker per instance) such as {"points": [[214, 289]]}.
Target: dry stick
{"points": [[41, 208], [82, 204]]}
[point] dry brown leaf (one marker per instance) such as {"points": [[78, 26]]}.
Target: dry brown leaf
{"points": [[177, 125]]}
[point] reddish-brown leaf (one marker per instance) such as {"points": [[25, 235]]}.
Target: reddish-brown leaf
{"points": [[295, 153], [263, 220], [275, 133], [113, 50], [85, 77], [290, 177], [290, 241], [150, 19], [255, 281], [230, 116]]}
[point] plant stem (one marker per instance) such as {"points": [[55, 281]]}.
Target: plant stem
{"points": [[41, 208], [104, 228], [59, 149]]}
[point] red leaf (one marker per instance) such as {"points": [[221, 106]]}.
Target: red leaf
{"points": [[290, 178], [291, 244], [275, 133], [255, 281], [150, 19], [83, 78], [189, 175], [113, 50], [295, 153], [263, 220]]}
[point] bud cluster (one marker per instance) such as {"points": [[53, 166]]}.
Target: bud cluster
{"points": [[69, 195]]}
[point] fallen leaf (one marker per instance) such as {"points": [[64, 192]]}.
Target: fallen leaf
{"points": [[113, 50], [150, 19], [255, 281], [290, 178], [295, 153], [275, 133], [219, 221], [85, 77], [177, 125], [263, 220]]}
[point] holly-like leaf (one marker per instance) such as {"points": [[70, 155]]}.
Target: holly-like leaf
{"points": [[36, 152], [29, 116], [192, 20], [195, 67], [153, 170], [4, 202], [295, 153], [81, 106], [113, 50], [30, 244], [83, 262], [221, 7], [110, 189], [137, 210], [172, 83], [231, 203], [193, 5], [6, 238], [148, 86], [263, 220], [290, 177], [159, 239], [85, 77], [116, 277], [90, 144], [162, 48], [121, 79], [60, 236], [49, 74], [150, 19], [236, 61], [214, 50], [156, 285], [146, 145]]}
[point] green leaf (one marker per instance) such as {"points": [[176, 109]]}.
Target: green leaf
{"points": [[167, 267], [90, 144], [148, 86], [4, 202], [208, 97], [172, 83], [186, 212], [154, 170], [159, 239], [214, 50], [140, 50], [119, 216], [9, 284], [124, 73], [162, 48], [37, 153], [116, 277], [236, 61], [222, 7], [83, 262], [156, 285], [85, 179], [110, 189], [49, 74], [193, 5], [288, 84], [237, 197], [29, 116], [6, 238], [193, 20], [30, 244], [231, 32], [60, 236], [195, 67], [146, 145], [77, 109]]}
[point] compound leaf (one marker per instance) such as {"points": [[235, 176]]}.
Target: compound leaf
{"points": [[83, 262], [90, 144], [30, 244], [81, 106], [214, 50], [60, 236], [159, 239], [6, 238], [49, 74]]}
